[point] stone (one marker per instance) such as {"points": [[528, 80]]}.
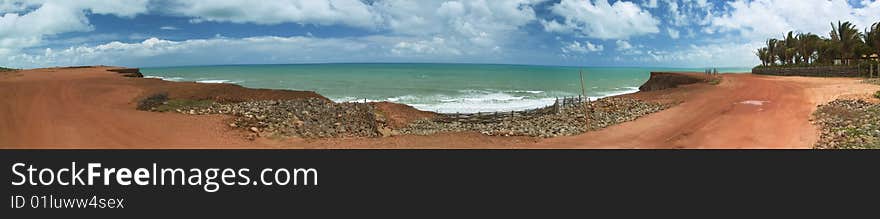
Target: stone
{"points": [[386, 132]]}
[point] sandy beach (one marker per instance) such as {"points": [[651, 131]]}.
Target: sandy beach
{"points": [[95, 108]]}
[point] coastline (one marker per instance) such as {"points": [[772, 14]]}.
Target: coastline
{"points": [[445, 88], [112, 99]]}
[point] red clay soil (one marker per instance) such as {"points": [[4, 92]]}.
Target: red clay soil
{"points": [[399, 115], [666, 80], [94, 108], [216, 92], [744, 111]]}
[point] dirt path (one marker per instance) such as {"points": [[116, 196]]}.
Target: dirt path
{"points": [[742, 111], [88, 108], [92, 108]]}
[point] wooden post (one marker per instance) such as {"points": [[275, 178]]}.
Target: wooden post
{"points": [[586, 106]]}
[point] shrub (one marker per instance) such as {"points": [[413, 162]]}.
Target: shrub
{"points": [[172, 105], [877, 95], [153, 101], [2, 69]]}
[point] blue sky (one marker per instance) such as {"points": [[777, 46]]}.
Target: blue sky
{"points": [[660, 33]]}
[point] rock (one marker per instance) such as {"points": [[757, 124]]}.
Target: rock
{"points": [[233, 125], [385, 132], [255, 129], [251, 136]]}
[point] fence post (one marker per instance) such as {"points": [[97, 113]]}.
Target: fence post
{"points": [[586, 110]]}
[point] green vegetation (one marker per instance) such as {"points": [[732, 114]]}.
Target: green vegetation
{"points": [[2, 69], [715, 81], [877, 95], [172, 105], [807, 49], [160, 102], [152, 101]]}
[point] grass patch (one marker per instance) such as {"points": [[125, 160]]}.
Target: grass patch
{"points": [[715, 81], [152, 101], [877, 95], [2, 69], [172, 105]]}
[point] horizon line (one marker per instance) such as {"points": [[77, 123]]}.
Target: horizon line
{"points": [[446, 63]]}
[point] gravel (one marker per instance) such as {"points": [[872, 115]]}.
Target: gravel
{"points": [[318, 118], [567, 121], [308, 118], [849, 124]]}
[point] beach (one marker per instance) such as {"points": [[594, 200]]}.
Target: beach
{"points": [[91, 107]]}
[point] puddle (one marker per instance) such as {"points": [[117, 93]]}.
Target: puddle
{"points": [[754, 102]]}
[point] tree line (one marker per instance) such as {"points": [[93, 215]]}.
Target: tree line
{"points": [[846, 44]]}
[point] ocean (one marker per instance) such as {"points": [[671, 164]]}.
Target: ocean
{"points": [[445, 88]]}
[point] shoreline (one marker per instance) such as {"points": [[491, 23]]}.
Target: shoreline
{"points": [[84, 89], [546, 101], [444, 89]]}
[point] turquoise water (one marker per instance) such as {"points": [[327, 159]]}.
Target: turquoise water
{"points": [[437, 87]]}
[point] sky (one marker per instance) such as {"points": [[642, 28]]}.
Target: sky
{"points": [[655, 33]]}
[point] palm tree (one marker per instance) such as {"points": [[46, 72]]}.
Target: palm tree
{"points": [[846, 36], [763, 55], [872, 37], [789, 48], [771, 51], [827, 51], [808, 45], [779, 51]]}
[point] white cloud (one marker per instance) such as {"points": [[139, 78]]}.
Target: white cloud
{"points": [[707, 55], [320, 12], [650, 4], [672, 33], [481, 23], [582, 48], [252, 50], [623, 45], [758, 20], [602, 20], [431, 27], [434, 46], [27, 23]]}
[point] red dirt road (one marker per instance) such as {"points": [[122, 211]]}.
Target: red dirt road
{"points": [[93, 108], [745, 111]]}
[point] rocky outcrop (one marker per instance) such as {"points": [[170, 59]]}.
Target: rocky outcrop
{"points": [[319, 118], [848, 124], [666, 80], [307, 118], [546, 122], [128, 72]]}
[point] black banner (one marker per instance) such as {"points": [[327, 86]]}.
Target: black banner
{"points": [[415, 183]]}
